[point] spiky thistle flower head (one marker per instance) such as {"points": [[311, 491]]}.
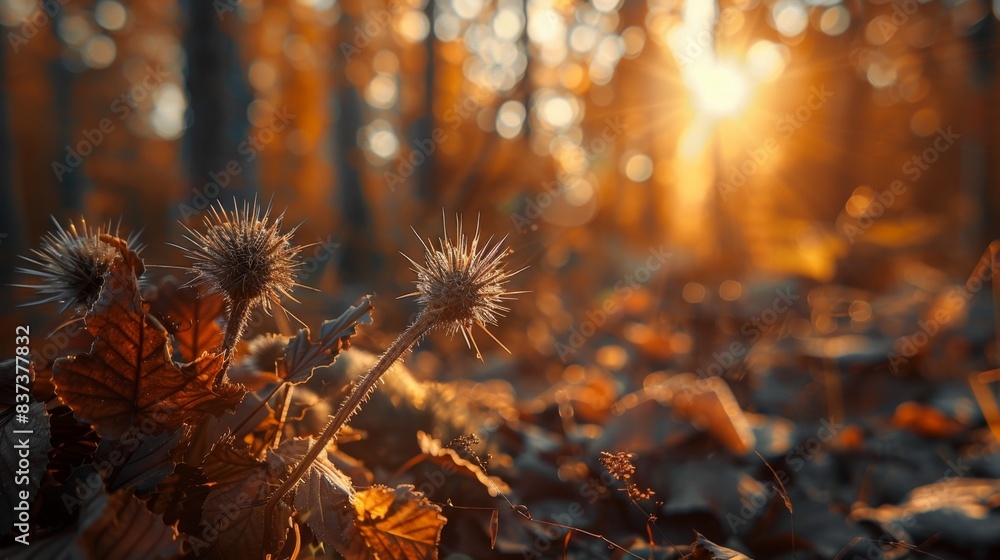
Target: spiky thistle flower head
{"points": [[244, 256], [462, 284], [72, 263]]}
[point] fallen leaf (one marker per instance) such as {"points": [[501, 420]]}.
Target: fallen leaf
{"points": [[190, 316], [233, 524], [452, 460], [709, 404], [73, 443], [704, 549], [128, 378], [119, 526], [926, 421], [139, 461], [323, 502], [393, 524]]}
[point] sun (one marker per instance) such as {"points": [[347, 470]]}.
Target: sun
{"points": [[719, 89]]}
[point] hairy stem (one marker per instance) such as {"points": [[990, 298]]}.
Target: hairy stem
{"points": [[239, 314], [362, 389]]}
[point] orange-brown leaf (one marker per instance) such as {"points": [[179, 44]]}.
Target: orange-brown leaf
{"points": [[704, 549], [233, 524], [451, 460], [128, 378], [189, 315], [396, 524]]}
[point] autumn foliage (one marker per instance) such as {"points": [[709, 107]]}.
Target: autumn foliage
{"points": [[182, 458]]}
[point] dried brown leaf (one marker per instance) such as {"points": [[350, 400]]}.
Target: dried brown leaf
{"points": [[393, 524], [452, 460], [704, 549], [190, 316], [128, 378], [119, 526], [302, 355]]}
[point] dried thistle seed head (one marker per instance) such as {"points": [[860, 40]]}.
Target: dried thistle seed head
{"points": [[72, 263], [263, 356], [266, 351], [244, 256], [461, 285]]}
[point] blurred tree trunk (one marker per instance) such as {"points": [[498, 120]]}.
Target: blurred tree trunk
{"points": [[422, 130], [218, 97], [70, 188], [975, 151], [356, 256]]}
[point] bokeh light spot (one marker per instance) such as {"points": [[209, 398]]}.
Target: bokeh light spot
{"points": [[110, 15], [99, 52], [790, 17], [510, 119], [639, 168]]}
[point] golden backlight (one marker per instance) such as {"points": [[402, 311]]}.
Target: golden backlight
{"points": [[718, 88]]}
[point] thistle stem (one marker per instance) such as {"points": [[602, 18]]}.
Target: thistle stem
{"points": [[362, 389], [239, 314]]}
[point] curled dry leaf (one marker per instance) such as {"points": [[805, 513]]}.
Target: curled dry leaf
{"points": [[302, 355], [111, 526], [452, 460], [709, 404], [323, 501], [926, 420], [140, 461], [393, 524], [972, 498], [73, 443], [704, 549]]}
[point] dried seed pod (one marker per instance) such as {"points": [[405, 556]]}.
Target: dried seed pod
{"points": [[71, 263], [244, 256], [461, 285]]}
